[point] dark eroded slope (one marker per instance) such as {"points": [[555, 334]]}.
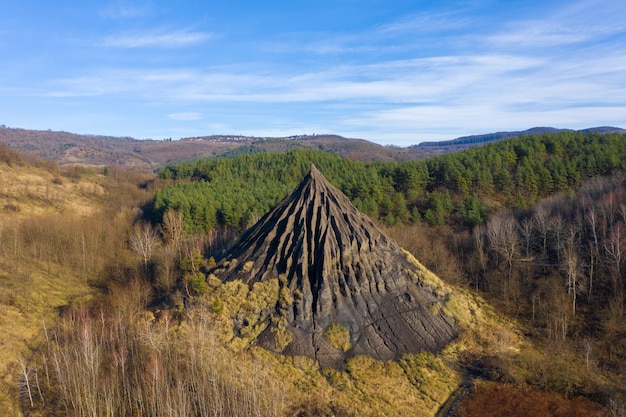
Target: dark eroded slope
{"points": [[342, 270]]}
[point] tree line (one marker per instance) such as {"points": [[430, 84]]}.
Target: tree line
{"points": [[558, 268], [458, 188]]}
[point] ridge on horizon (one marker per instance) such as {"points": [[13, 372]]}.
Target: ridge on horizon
{"points": [[69, 148]]}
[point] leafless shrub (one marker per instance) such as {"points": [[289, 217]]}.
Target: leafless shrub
{"points": [[103, 362]]}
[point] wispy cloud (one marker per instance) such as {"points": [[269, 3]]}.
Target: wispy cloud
{"points": [[126, 11], [539, 34], [422, 77], [419, 123], [410, 33], [185, 116], [401, 81], [157, 40], [428, 22], [578, 22]]}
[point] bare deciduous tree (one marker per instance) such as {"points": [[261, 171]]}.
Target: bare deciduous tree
{"points": [[541, 221], [557, 227], [114, 365], [591, 218], [526, 233], [174, 228], [479, 240], [570, 264], [143, 239], [504, 240], [614, 247]]}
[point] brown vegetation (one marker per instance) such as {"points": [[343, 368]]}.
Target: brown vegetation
{"points": [[558, 269], [498, 400], [69, 149], [114, 359], [61, 233]]}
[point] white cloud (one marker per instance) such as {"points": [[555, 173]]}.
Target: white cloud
{"points": [[539, 34], [126, 11], [411, 125], [428, 22], [158, 40], [511, 78], [509, 82], [576, 23], [185, 116]]}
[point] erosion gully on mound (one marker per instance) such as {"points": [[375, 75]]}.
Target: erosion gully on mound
{"points": [[345, 271]]}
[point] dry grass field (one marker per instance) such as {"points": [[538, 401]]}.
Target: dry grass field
{"points": [[50, 239]]}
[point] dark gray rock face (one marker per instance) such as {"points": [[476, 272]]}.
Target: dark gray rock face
{"points": [[340, 269]]}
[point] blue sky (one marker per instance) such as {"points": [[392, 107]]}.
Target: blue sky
{"points": [[393, 72]]}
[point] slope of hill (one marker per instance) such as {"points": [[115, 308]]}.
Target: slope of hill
{"points": [[461, 187], [343, 276], [356, 149], [48, 257], [55, 238], [33, 206], [69, 148], [27, 190], [465, 142], [489, 137]]}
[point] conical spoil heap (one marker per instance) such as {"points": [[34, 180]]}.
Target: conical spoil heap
{"points": [[354, 292]]}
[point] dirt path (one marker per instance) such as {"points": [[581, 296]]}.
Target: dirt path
{"points": [[447, 409]]}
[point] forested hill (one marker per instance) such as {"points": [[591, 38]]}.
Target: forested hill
{"points": [[69, 148], [465, 142], [458, 188]]}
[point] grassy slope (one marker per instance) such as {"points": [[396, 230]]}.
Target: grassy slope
{"points": [[32, 291], [69, 148], [416, 385]]}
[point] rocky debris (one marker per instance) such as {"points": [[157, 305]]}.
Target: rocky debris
{"points": [[346, 288]]}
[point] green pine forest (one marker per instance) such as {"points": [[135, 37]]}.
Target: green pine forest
{"points": [[456, 189]]}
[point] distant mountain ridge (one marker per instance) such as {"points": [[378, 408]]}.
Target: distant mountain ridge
{"points": [[492, 137], [70, 148]]}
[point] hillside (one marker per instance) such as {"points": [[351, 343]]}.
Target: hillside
{"points": [[34, 201], [28, 190], [76, 302], [355, 149], [127, 350], [148, 155], [466, 142], [343, 275], [70, 148], [57, 229], [460, 188], [534, 223]]}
